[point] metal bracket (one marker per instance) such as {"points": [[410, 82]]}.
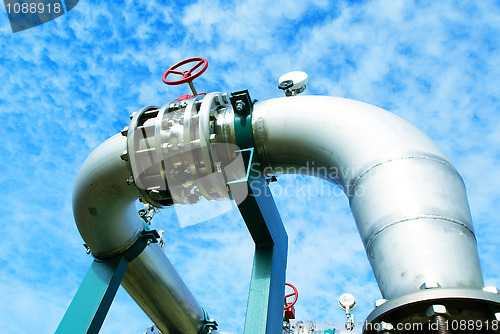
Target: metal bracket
{"points": [[92, 301], [267, 285], [242, 105], [209, 326], [241, 102], [147, 237]]}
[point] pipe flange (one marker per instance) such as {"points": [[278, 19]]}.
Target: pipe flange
{"points": [[174, 153], [466, 309], [139, 150]]}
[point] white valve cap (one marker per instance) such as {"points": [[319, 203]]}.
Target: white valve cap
{"points": [[298, 78], [347, 301]]}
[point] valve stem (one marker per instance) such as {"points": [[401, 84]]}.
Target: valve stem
{"points": [[192, 88]]}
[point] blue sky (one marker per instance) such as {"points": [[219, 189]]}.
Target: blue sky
{"points": [[68, 85]]}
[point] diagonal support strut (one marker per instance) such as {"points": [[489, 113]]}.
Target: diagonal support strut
{"points": [[267, 285]]}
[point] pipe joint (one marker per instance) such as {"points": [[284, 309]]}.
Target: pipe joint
{"points": [[180, 153]]}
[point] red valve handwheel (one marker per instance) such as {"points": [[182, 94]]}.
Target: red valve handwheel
{"points": [[294, 293], [187, 76]]}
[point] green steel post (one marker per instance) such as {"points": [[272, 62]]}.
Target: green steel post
{"points": [[91, 303], [267, 286], [267, 290]]}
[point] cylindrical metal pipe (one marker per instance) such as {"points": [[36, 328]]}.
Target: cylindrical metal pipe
{"points": [[158, 289], [105, 213], [408, 201]]}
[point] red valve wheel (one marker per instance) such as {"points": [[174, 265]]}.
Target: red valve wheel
{"points": [[294, 293], [187, 76]]}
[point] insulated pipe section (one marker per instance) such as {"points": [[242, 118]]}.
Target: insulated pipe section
{"points": [[105, 214], [408, 201]]}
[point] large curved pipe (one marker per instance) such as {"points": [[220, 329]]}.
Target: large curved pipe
{"points": [[408, 201], [103, 202], [105, 214]]}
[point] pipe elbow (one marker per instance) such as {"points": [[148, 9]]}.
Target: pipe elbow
{"points": [[103, 202], [408, 201], [105, 214]]}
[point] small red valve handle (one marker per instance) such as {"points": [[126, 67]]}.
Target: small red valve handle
{"points": [[294, 293], [187, 76]]}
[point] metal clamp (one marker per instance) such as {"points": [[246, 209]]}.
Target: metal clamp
{"points": [[209, 325], [243, 106], [147, 237]]}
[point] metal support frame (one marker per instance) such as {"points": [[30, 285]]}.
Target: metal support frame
{"points": [[91, 303], [93, 299], [267, 286]]}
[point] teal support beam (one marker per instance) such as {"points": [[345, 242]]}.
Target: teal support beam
{"points": [[93, 299], [91, 303], [267, 286], [267, 290]]}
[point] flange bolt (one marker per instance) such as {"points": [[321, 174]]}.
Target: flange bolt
{"points": [[439, 315], [240, 105]]}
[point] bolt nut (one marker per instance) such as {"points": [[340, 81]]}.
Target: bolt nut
{"points": [[490, 289], [430, 285], [133, 114], [87, 249], [224, 98], [385, 326], [217, 100], [497, 316], [437, 310], [124, 131], [130, 180], [124, 156], [240, 105], [379, 302]]}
